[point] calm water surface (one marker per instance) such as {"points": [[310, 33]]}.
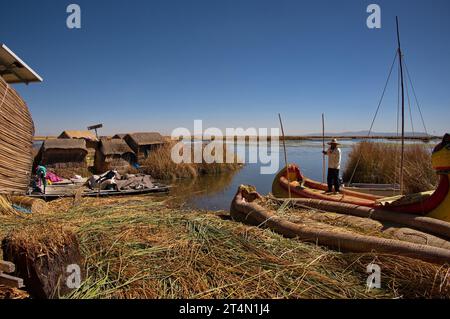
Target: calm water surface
{"points": [[216, 192]]}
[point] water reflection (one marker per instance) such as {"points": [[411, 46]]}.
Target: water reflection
{"points": [[215, 193]]}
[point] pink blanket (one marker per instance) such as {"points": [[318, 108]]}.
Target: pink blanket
{"points": [[52, 177]]}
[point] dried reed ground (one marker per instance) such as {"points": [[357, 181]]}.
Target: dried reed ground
{"points": [[12, 293], [146, 247]]}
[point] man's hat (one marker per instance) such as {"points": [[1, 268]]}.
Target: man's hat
{"points": [[334, 141]]}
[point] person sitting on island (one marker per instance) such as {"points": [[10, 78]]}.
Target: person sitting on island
{"points": [[41, 173], [334, 165]]}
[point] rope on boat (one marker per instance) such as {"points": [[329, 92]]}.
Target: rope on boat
{"points": [[398, 106], [376, 112], [415, 97], [409, 105]]}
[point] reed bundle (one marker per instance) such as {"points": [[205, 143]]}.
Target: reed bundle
{"points": [[16, 139], [41, 253], [34, 205], [5, 206]]}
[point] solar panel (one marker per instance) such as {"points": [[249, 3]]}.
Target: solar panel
{"points": [[14, 70]]}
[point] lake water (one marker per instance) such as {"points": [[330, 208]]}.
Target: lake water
{"points": [[216, 192]]}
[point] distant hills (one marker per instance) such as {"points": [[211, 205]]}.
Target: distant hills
{"points": [[364, 133]]}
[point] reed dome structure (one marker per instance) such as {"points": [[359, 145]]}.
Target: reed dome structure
{"points": [[16, 124]]}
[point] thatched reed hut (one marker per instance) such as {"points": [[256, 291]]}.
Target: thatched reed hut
{"points": [[89, 137], [114, 154], [16, 125], [143, 143], [63, 153]]}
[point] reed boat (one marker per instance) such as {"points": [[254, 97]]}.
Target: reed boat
{"points": [[69, 190], [85, 192], [249, 207], [434, 204], [303, 187]]}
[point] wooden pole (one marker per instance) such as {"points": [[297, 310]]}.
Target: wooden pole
{"points": [[323, 148], [285, 155], [403, 108], [7, 280]]}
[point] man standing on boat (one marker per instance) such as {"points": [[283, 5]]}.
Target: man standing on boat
{"points": [[334, 165]]}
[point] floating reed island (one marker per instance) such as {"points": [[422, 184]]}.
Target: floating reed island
{"points": [[150, 247]]}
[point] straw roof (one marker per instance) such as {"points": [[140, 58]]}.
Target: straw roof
{"points": [[146, 138], [64, 144], [121, 135], [114, 147], [87, 135]]}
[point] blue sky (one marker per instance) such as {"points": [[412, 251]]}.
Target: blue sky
{"points": [[157, 65]]}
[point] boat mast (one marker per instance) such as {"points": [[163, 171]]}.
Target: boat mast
{"points": [[403, 108]]}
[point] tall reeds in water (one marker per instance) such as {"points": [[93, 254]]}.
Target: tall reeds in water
{"points": [[380, 163], [160, 165]]}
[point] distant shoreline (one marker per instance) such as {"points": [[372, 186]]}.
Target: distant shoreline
{"points": [[305, 138]]}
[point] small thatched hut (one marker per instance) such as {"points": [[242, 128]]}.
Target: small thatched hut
{"points": [[114, 154], [143, 143], [16, 125], [63, 153], [91, 142]]}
